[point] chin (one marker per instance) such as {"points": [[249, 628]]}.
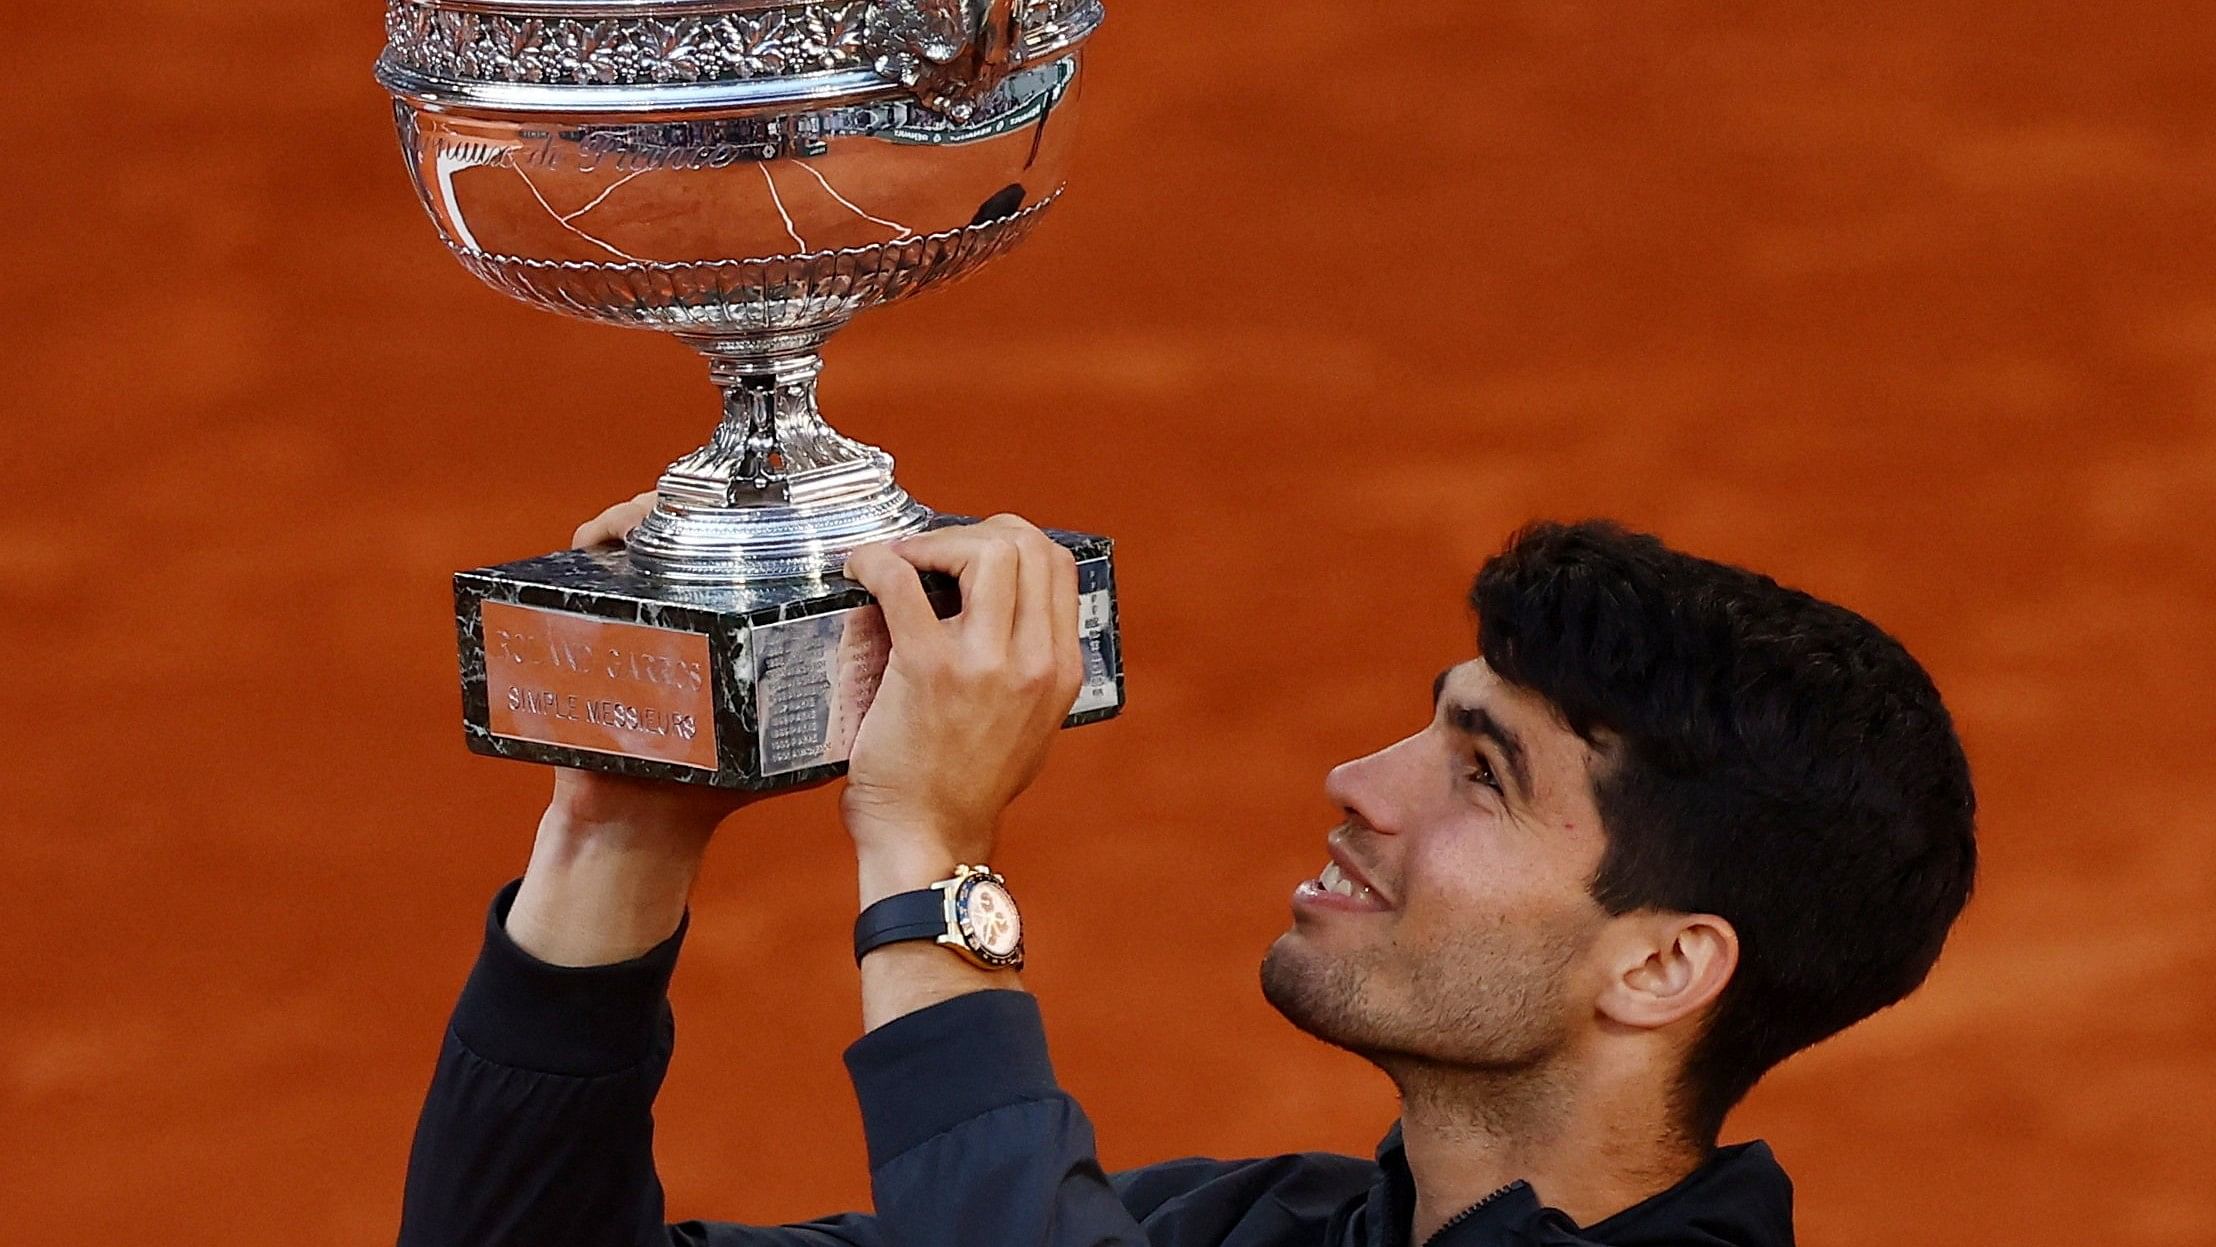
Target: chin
{"points": [[1313, 990]]}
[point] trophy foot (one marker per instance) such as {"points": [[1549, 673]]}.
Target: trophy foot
{"points": [[584, 659], [687, 543]]}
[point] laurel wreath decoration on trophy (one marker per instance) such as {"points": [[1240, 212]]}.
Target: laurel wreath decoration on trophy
{"points": [[951, 53]]}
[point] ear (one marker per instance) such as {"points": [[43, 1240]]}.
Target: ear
{"points": [[1667, 967]]}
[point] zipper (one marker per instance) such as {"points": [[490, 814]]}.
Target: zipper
{"points": [[1467, 1213]]}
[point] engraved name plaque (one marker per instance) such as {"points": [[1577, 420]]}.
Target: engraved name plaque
{"points": [[816, 677], [562, 679]]}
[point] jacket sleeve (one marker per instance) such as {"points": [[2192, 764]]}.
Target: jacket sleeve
{"points": [[971, 1140], [538, 1130]]}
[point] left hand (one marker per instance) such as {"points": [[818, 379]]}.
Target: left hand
{"points": [[676, 817], [968, 704]]}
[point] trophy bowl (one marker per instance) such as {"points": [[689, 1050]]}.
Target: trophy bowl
{"points": [[747, 175]]}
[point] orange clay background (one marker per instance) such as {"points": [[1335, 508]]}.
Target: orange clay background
{"points": [[1912, 305]]}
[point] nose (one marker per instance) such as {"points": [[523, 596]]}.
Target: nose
{"points": [[1374, 789]]}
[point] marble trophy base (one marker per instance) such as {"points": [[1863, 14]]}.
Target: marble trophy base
{"points": [[578, 659]]}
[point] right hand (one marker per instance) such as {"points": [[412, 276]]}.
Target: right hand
{"points": [[968, 704]]}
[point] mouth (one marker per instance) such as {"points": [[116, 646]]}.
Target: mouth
{"points": [[1340, 885]]}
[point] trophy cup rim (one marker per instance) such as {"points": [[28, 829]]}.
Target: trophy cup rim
{"points": [[499, 98], [414, 67]]}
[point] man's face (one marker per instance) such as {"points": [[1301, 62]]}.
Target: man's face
{"points": [[1478, 837]]}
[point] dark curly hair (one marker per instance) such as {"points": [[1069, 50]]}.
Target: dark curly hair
{"points": [[1770, 758]]}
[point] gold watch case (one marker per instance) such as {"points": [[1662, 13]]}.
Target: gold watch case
{"points": [[982, 921]]}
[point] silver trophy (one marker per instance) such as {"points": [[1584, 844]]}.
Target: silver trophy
{"points": [[747, 175]]}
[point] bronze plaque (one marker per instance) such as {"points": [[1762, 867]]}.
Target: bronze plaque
{"points": [[563, 679]]}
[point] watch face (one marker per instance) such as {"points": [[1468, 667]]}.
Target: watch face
{"points": [[989, 919]]}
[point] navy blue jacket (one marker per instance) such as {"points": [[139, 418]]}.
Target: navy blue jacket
{"points": [[538, 1132]]}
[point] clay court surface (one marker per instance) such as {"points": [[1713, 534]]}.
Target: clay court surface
{"points": [[1913, 306]]}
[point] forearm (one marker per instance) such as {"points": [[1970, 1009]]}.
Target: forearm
{"points": [[538, 1128], [600, 892]]}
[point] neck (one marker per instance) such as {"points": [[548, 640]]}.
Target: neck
{"points": [[1590, 1145]]}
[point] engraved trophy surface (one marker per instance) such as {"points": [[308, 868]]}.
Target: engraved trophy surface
{"points": [[747, 175]]}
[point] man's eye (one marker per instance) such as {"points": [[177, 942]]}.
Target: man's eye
{"points": [[1481, 772]]}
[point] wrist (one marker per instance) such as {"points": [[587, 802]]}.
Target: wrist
{"points": [[572, 835], [609, 807], [908, 866], [901, 851], [598, 892]]}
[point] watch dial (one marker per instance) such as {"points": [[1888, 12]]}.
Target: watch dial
{"points": [[993, 923]]}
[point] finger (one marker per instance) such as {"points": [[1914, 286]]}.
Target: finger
{"points": [[981, 558], [989, 584], [1034, 627], [1051, 601], [949, 550], [615, 523], [892, 580], [1062, 589], [1069, 656]]}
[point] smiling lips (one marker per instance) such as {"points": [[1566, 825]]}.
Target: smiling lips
{"points": [[1340, 886]]}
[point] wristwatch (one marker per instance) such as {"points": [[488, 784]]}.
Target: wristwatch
{"points": [[971, 913]]}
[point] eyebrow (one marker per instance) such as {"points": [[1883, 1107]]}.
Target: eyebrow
{"points": [[1478, 721]]}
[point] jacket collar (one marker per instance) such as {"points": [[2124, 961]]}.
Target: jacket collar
{"points": [[1739, 1197]]}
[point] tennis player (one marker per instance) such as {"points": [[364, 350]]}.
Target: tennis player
{"points": [[1668, 824]]}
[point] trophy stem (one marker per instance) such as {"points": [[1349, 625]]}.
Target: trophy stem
{"points": [[776, 492]]}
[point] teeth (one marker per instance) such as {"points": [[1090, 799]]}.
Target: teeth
{"points": [[1334, 880]]}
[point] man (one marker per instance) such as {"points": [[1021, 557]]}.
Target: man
{"points": [[1673, 824]]}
